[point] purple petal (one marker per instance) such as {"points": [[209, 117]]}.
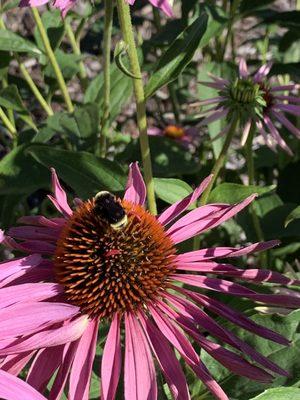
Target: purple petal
{"points": [[15, 363], [214, 117], [164, 6], [180, 206], [81, 371], [34, 233], [111, 361], [243, 69], [290, 108], [263, 72], [282, 88], [233, 316], [216, 252], [13, 388], [40, 220], [60, 198], [32, 3], [292, 99], [33, 291], [71, 331], [276, 135], [139, 375], [167, 360], [17, 319], [181, 343], [135, 188], [44, 366], [292, 128], [9, 270]]}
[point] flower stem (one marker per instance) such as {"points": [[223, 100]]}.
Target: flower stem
{"points": [[47, 108], [12, 130], [59, 76], [128, 36], [251, 181], [108, 19], [221, 159], [76, 49]]}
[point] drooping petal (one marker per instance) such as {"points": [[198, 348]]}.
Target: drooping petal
{"points": [[163, 5], [60, 198], [47, 338], [15, 363], [292, 128], [139, 375], [32, 3], [243, 69], [34, 233], [33, 291], [13, 388], [111, 361], [18, 319], [44, 366], [10, 270], [262, 72], [135, 188], [167, 360], [276, 135], [81, 370], [214, 116], [180, 206], [182, 344], [224, 252]]}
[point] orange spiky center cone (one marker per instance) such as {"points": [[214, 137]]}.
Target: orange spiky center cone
{"points": [[104, 270]]}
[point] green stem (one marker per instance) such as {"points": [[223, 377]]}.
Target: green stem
{"points": [[59, 76], [8, 124], [108, 19], [128, 36], [251, 181], [175, 102], [220, 160], [47, 108], [76, 49]]}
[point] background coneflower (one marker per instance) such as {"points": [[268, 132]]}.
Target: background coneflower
{"points": [[80, 273]]}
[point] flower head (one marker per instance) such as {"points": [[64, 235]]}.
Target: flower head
{"points": [[80, 272], [255, 101], [187, 137], [164, 5]]}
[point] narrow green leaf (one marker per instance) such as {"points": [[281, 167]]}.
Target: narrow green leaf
{"points": [[295, 214], [178, 55], [84, 172], [10, 41], [11, 99]]}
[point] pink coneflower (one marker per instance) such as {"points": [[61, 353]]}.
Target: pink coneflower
{"points": [[65, 5], [80, 273], [256, 101], [187, 137]]}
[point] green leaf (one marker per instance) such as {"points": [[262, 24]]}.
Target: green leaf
{"points": [[5, 59], [233, 192], [295, 214], [279, 393], [10, 41], [19, 173], [178, 55], [171, 190], [11, 99], [84, 172]]}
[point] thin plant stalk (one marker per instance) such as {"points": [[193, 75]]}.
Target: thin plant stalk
{"points": [[76, 50], [6, 122], [251, 181], [220, 160], [218, 165], [108, 19], [35, 90], [59, 76], [128, 36]]}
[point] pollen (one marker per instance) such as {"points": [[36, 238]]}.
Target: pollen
{"points": [[105, 271], [174, 131]]}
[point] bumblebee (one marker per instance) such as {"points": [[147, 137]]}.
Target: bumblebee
{"points": [[108, 208]]}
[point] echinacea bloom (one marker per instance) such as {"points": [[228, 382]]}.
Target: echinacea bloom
{"points": [[79, 273], [187, 137], [65, 5], [164, 5], [257, 101]]}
